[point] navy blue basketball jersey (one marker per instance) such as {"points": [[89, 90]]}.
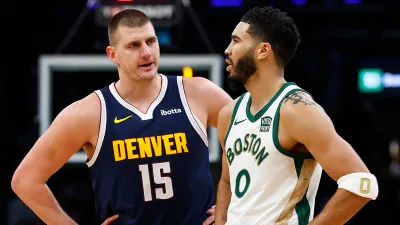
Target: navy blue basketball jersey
{"points": [[151, 168]]}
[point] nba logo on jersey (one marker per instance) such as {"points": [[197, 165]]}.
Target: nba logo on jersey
{"points": [[265, 124]]}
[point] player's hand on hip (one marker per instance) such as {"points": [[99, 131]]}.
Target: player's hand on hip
{"points": [[109, 220], [210, 220]]}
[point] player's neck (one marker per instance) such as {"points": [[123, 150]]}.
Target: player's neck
{"points": [[139, 93], [263, 86]]}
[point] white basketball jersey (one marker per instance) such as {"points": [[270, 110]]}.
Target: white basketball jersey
{"points": [[269, 185]]}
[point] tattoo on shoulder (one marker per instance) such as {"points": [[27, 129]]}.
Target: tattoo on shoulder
{"points": [[300, 97]]}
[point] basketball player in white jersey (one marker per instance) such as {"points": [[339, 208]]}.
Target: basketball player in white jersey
{"points": [[276, 139]]}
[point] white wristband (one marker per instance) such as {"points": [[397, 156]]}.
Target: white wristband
{"points": [[362, 184]]}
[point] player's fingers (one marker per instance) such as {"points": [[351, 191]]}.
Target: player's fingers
{"points": [[110, 219], [211, 211], [210, 220]]}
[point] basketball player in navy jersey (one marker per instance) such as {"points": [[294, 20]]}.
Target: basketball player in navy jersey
{"points": [[144, 136]]}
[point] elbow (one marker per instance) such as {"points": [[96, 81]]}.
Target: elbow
{"points": [[19, 183], [16, 183]]}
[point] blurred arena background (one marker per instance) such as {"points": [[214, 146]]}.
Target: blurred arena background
{"points": [[54, 54]]}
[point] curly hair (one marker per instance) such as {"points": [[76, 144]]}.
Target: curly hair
{"points": [[271, 25]]}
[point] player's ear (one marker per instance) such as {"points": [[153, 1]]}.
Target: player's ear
{"points": [[111, 54], [264, 49]]}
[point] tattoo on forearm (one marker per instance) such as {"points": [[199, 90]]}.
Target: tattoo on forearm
{"points": [[297, 97]]}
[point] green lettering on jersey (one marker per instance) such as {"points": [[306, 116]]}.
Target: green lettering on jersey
{"points": [[261, 156], [238, 146], [230, 156], [252, 145]]}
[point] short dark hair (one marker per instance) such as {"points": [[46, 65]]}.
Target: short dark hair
{"points": [[271, 25], [127, 17]]}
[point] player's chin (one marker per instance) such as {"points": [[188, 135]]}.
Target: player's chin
{"points": [[234, 75], [148, 74]]}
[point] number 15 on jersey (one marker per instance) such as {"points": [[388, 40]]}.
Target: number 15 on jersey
{"points": [[158, 170]]}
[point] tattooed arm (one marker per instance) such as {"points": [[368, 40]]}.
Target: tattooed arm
{"points": [[304, 121], [301, 97]]}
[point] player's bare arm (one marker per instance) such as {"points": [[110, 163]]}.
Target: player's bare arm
{"points": [[205, 99], [303, 121], [224, 189], [76, 126]]}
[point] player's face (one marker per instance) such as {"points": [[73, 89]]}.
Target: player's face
{"points": [[137, 51], [240, 54]]}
